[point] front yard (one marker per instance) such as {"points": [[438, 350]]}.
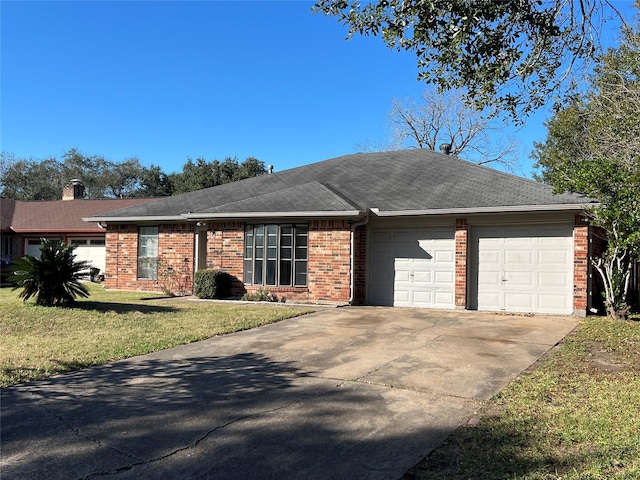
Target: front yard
{"points": [[37, 342], [575, 415]]}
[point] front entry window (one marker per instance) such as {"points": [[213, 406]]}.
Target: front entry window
{"points": [[148, 253], [276, 255]]}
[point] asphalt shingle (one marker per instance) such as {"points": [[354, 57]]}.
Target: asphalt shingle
{"points": [[395, 181]]}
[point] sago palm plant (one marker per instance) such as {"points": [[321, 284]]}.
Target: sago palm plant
{"points": [[54, 278]]}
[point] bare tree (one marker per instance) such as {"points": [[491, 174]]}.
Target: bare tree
{"points": [[446, 118]]}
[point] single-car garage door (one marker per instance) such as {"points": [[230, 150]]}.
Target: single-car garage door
{"points": [[522, 268], [412, 267]]}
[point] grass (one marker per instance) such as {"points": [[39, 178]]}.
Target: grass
{"points": [[37, 342], [575, 415]]}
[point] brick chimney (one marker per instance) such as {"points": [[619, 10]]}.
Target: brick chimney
{"points": [[73, 190]]}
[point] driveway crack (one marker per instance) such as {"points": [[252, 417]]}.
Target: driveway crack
{"points": [[190, 446]]}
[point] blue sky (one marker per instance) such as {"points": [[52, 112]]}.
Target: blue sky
{"points": [[163, 81]]}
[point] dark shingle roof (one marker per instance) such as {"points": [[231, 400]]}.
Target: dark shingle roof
{"points": [[398, 181]]}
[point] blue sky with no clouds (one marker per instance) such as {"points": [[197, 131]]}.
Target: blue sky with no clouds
{"points": [[163, 81]]}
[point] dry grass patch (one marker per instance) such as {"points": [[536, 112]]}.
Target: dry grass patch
{"points": [[37, 342], [576, 415]]}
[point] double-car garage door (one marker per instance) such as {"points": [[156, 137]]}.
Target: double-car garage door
{"points": [[524, 268], [91, 250]]}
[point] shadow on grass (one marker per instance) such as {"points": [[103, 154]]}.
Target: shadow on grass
{"points": [[495, 449], [122, 308]]}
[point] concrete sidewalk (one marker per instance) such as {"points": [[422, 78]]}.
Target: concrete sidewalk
{"points": [[356, 392]]}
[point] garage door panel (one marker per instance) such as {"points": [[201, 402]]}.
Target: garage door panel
{"points": [[420, 263], [552, 280], [400, 237], [444, 298], [489, 278], [489, 256], [489, 301], [554, 257], [518, 257], [520, 279], [519, 302], [423, 277], [422, 298], [380, 236], [444, 256], [551, 303], [445, 277]]}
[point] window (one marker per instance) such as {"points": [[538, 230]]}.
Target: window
{"points": [[276, 255], [148, 253]]}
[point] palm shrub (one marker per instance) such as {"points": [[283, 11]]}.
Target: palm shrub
{"points": [[54, 278]]}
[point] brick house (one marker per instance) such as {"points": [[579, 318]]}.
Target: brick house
{"points": [[24, 223], [409, 228]]}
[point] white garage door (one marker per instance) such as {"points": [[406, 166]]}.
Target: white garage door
{"points": [[412, 268], [522, 269]]}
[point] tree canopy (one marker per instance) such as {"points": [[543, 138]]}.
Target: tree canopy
{"points": [[593, 147], [31, 179], [514, 54], [200, 173]]}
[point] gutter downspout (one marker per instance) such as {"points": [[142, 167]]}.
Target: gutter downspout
{"points": [[353, 256]]}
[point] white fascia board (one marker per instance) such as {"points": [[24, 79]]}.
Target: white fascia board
{"points": [[315, 214], [469, 210], [151, 218]]}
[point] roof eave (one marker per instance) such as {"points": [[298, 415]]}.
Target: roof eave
{"points": [[261, 215], [135, 219], [497, 209], [227, 216], [57, 230]]}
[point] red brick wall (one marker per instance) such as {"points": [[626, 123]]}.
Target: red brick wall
{"points": [[580, 265], [462, 233], [175, 252], [225, 251]]}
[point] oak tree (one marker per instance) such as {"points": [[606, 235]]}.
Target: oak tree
{"points": [[517, 55]]}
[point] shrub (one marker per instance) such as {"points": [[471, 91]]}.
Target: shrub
{"points": [[260, 295], [54, 278], [212, 284]]}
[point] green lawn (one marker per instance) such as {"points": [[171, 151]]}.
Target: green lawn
{"points": [[36, 342], [576, 415]]}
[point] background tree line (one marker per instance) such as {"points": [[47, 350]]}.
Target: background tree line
{"points": [[30, 179]]}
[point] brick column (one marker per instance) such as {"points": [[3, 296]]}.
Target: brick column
{"points": [[329, 267], [462, 232], [580, 266]]}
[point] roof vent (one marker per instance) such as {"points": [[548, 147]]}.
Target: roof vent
{"points": [[445, 148], [270, 168]]}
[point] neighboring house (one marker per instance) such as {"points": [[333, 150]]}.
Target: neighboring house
{"points": [[409, 228], [25, 223]]}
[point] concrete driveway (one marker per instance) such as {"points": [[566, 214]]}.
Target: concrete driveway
{"points": [[347, 393]]}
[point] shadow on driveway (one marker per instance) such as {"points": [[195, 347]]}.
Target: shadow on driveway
{"points": [[343, 394]]}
